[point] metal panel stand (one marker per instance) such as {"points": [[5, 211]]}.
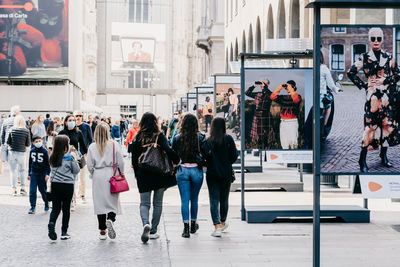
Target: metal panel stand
{"points": [[268, 214]]}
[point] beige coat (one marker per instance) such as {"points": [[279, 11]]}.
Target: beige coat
{"points": [[101, 168]]}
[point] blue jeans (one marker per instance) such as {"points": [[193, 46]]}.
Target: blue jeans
{"points": [[37, 181], [145, 204], [17, 167], [189, 181]]}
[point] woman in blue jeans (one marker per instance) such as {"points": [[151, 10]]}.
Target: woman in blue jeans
{"points": [[189, 145], [222, 154]]}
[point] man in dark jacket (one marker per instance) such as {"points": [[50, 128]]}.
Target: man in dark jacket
{"points": [[47, 121]]}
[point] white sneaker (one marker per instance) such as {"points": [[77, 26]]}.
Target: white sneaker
{"points": [[145, 235], [223, 228], [217, 233], [110, 229], [154, 236], [103, 235]]}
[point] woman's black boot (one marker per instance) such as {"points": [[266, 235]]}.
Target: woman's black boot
{"points": [[363, 160], [193, 227], [383, 155], [186, 233]]}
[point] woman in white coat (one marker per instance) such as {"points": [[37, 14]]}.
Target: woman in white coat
{"points": [[100, 166]]}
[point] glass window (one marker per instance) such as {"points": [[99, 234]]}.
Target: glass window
{"points": [[139, 11], [339, 29], [337, 57], [358, 49]]}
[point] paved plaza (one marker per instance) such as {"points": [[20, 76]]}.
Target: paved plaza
{"points": [[24, 238], [341, 151]]}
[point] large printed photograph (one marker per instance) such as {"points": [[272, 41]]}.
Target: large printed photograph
{"points": [[276, 101], [34, 38], [359, 97], [206, 107], [227, 103], [138, 46]]}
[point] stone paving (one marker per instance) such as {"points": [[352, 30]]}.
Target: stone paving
{"points": [[341, 151], [24, 241]]}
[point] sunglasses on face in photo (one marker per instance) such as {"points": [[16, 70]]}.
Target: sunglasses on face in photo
{"points": [[376, 39]]}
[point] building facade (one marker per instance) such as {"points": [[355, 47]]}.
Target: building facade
{"points": [[166, 30]]}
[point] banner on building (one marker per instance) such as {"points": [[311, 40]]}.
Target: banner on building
{"points": [[380, 186], [138, 46], [34, 39]]}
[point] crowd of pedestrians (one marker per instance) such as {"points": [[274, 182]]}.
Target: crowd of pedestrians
{"points": [[64, 152]]}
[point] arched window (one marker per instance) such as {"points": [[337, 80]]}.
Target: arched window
{"points": [[250, 44], [258, 36], [231, 54], [244, 50], [226, 61], [236, 7], [337, 57], [358, 49], [270, 23], [281, 19], [295, 19], [236, 55]]}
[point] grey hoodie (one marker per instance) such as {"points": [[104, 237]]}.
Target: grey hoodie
{"points": [[67, 172]]}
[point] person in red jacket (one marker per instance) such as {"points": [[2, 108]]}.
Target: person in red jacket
{"points": [[132, 133], [290, 109]]}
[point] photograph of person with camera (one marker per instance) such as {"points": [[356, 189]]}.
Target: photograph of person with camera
{"points": [[274, 118]]}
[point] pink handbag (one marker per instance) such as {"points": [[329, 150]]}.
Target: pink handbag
{"points": [[118, 182]]}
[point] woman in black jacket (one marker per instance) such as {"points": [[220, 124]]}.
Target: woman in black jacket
{"points": [[147, 182], [76, 140], [74, 134], [223, 154], [189, 145]]}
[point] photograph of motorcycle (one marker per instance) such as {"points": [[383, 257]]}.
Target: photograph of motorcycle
{"points": [[327, 103]]}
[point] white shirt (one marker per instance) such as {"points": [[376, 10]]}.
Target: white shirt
{"points": [[326, 80]]}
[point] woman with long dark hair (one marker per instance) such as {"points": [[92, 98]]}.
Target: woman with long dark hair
{"points": [[220, 173], [76, 140], [189, 145], [74, 134], [147, 182], [64, 169]]}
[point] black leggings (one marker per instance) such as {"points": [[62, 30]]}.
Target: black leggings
{"points": [[61, 196], [102, 219]]}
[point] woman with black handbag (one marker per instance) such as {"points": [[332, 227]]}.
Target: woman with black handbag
{"points": [[148, 137], [220, 175], [189, 145]]}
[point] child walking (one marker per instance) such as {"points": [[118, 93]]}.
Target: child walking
{"points": [[38, 174], [64, 169]]}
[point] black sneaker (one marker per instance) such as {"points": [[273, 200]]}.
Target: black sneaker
{"points": [[65, 236], [31, 210], [22, 192], [145, 235], [52, 233]]}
